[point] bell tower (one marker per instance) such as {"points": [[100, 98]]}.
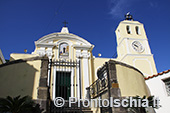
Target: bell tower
{"points": [[133, 47]]}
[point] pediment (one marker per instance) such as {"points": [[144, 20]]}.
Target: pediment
{"points": [[53, 37]]}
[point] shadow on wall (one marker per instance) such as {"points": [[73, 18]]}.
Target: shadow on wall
{"points": [[17, 78]]}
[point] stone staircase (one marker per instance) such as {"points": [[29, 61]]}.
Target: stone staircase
{"points": [[66, 109]]}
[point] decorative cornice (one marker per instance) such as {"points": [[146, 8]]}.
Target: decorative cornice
{"points": [[86, 47], [131, 39], [44, 44], [131, 22], [54, 36], [136, 55], [82, 55]]}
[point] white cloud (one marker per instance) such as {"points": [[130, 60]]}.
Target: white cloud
{"points": [[118, 8], [153, 4]]}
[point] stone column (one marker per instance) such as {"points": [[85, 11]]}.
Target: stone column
{"points": [[43, 88]]}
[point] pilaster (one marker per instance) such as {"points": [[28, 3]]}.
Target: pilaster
{"points": [[43, 89]]}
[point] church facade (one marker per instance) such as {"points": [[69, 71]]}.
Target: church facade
{"points": [[63, 64]]}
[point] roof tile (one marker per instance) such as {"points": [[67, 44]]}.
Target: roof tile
{"points": [[161, 73]]}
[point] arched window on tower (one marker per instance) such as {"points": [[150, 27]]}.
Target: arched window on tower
{"points": [[63, 50], [128, 29], [137, 30]]}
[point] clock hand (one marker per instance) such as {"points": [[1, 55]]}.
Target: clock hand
{"points": [[136, 45]]}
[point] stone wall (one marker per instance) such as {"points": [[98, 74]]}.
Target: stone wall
{"points": [[42, 97], [26, 77], [120, 76]]}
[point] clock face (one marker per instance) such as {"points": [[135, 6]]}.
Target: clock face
{"points": [[137, 46]]}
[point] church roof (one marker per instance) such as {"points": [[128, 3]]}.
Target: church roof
{"points": [[161, 73], [64, 34]]}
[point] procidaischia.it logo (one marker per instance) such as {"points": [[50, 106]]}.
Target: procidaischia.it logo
{"points": [[111, 102]]}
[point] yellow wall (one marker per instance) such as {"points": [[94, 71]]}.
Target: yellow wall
{"points": [[16, 56], [20, 79], [131, 82], [145, 64], [1, 61], [98, 63], [121, 29], [142, 60]]}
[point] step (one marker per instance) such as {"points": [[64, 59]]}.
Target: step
{"points": [[73, 109]]}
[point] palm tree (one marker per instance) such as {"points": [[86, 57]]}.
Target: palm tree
{"points": [[18, 105]]}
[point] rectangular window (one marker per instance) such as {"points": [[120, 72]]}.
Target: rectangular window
{"points": [[137, 30], [128, 29], [167, 85]]}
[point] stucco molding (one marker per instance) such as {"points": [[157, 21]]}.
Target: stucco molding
{"points": [[130, 22], [127, 38], [136, 55], [83, 47], [56, 36], [139, 59], [83, 55]]}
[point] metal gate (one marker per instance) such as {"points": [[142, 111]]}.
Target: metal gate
{"points": [[63, 84]]}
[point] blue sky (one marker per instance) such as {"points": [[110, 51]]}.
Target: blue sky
{"points": [[24, 21]]}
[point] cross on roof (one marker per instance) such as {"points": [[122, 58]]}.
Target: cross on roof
{"points": [[65, 23]]}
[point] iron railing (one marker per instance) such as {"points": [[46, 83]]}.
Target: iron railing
{"points": [[101, 85]]}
